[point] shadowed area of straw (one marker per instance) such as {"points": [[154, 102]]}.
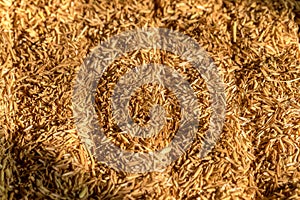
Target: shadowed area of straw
{"points": [[254, 44]]}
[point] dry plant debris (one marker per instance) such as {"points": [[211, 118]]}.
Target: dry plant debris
{"points": [[254, 43], [146, 97]]}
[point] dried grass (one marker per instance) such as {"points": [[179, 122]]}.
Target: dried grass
{"points": [[254, 43]]}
